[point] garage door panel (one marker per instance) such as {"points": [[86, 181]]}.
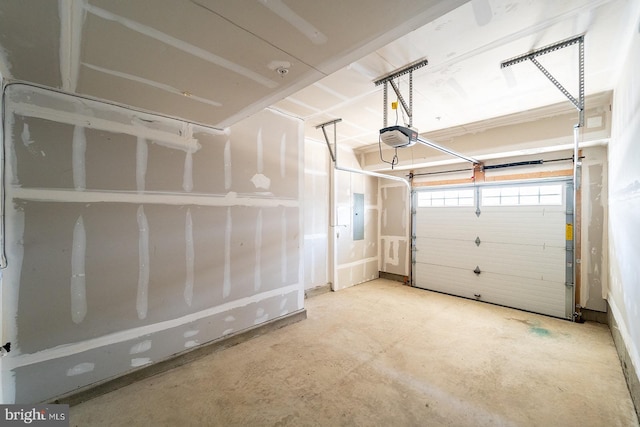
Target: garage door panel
{"points": [[540, 296], [491, 226], [446, 279], [521, 255], [458, 218], [442, 251], [534, 262], [529, 229], [546, 297]]}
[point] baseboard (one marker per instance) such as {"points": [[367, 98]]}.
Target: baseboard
{"points": [[94, 390], [628, 368], [393, 276], [594, 316], [318, 290]]}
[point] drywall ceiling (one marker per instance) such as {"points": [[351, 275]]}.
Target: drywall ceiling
{"points": [[207, 61], [215, 62], [463, 82]]}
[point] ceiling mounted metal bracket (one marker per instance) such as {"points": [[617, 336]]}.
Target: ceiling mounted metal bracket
{"points": [[388, 78], [531, 56], [332, 150], [579, 104]]}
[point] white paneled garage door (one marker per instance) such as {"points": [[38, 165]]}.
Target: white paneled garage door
{"points": [[504, 244]]}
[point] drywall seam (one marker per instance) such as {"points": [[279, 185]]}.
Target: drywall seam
{"points": [[61, 116], [356, 263], [71, 20], [152, 83], [78, 289], [65, 350], [227, 165], [4, 65], [260, 180], [79, 148], [315, 236], [297, 21], [187, 179], [142, 296], [300, 141], [190, 261], [10, 118], [177, 199], [226, 284], [283, 155], [9, 294], [181, 45], [142, 154], [257, 276], [259, 152], [26, 137], [80, 102], [283, 245], [634, 353]]}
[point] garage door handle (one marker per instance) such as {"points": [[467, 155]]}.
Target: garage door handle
{"points": [[477, 270]]}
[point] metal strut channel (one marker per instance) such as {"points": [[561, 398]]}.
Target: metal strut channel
{"points": [[388, 78], [531, 56], [326, 137], [401, 71], [579, 104]]}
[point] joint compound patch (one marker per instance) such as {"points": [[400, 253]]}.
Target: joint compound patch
{"points": [[140, 361], [140, 347], [261, 181], [81, 368]]}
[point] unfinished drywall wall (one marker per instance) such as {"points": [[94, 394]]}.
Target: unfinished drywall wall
{"points": [[394, 228], [316, 214], [131, 237], [624, 211], [356, 260], [550, 129], [593, 257]]}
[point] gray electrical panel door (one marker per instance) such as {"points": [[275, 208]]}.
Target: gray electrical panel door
{"points": [[358, 216]]}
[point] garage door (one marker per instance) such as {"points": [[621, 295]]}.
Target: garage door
{"points": [[503, 244]]}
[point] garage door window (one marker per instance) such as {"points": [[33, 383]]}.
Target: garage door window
{"points": [[530, 195], [445, 198]]}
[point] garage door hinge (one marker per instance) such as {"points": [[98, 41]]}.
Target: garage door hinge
{"points": [[478, 212], [478, 241]]}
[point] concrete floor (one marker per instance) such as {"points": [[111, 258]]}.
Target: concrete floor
{"points": [[385, 354]]}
